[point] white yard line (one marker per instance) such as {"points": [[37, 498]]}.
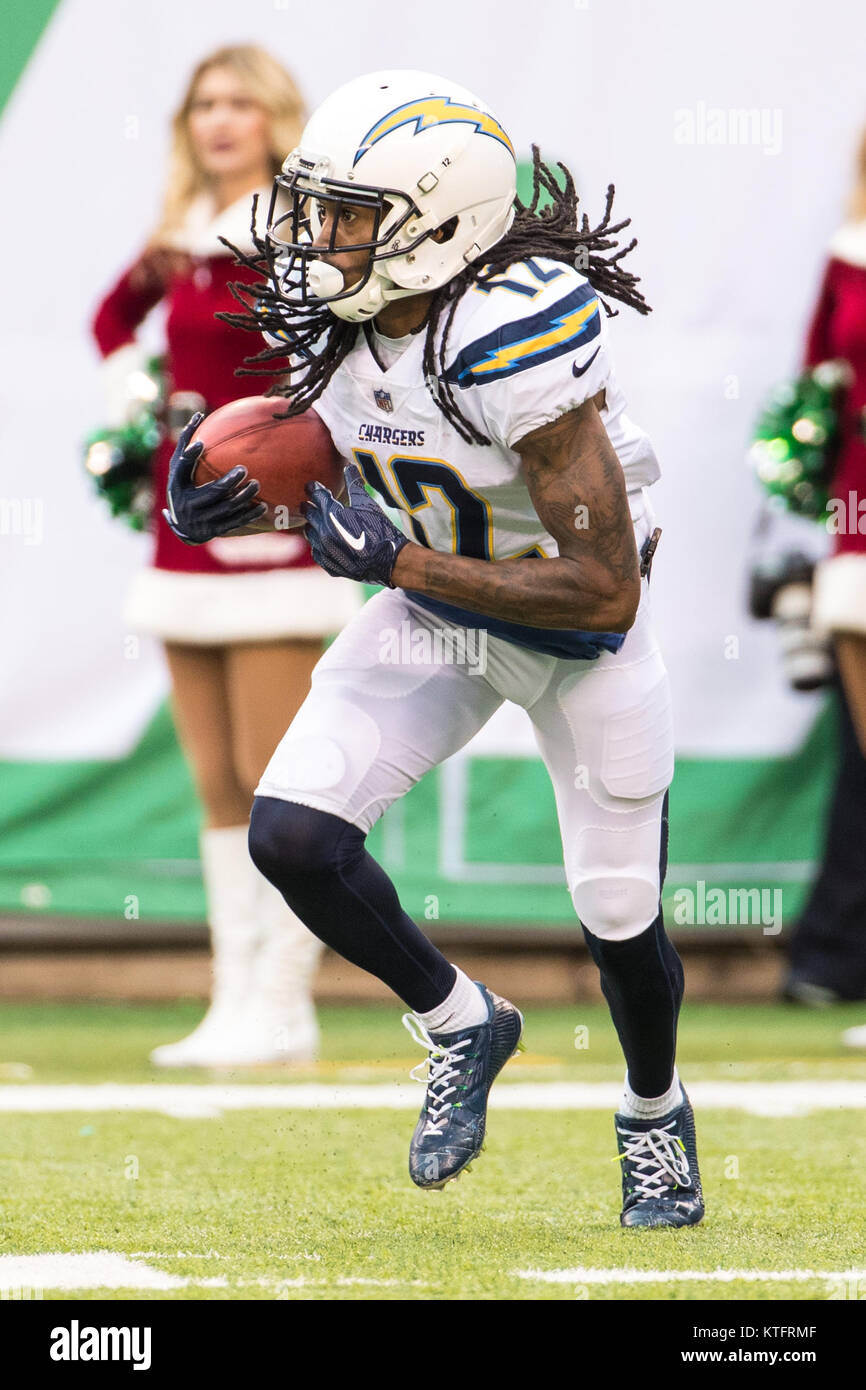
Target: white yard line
{"points": [[768, 1098], [101, 1269], [26, 1277], [32, 1276]]}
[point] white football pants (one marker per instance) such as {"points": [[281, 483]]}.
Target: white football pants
{"points": [[399, 691]]}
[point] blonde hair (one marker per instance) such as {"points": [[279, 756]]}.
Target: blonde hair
{"points": [[272, 87], [857, 205]]}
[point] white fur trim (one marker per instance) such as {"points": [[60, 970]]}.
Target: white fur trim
{"points": [[839, 603], [849, 243], [203, 226], [208, 609], [267, 548]]}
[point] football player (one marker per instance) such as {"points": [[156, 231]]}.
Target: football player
{"points": [[452, 339]]}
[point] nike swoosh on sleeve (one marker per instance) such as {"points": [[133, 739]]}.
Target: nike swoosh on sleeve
{"points": [[579, 371], [356, 542]]}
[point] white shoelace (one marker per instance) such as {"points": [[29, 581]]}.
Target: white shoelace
{"points": [[440, 1071], [659, 1159]]}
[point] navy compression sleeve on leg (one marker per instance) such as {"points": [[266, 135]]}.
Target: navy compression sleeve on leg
{"points": [[642, 981], [321, 867]]}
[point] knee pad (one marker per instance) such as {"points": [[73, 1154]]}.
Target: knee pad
{"points": [[616, 907], [615, 874], [288, 840]]}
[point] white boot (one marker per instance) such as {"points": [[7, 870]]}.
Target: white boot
{"points": [[231, 882], [281, 1024]]}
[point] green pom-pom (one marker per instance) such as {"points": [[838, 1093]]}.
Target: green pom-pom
{"points": [[795, 438], [120, 461]]}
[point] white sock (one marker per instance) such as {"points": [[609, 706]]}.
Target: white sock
{"points": [[465, 1007], [639, 1108]]}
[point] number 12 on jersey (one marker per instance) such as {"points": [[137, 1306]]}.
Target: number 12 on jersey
{"points": [[412, 480]]}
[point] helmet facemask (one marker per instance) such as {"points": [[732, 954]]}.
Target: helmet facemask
{"points": [[300, 273]]}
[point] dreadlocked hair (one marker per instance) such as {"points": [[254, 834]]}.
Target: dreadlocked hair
{"points": [[556, 231]]}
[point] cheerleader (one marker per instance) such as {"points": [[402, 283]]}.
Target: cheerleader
{"points": [[242, 619], [828, 947]]}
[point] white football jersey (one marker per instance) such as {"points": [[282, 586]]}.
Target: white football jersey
{"points": [[523, 349]]}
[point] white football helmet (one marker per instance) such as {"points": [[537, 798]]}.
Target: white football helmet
{"points": [[418, 151]]}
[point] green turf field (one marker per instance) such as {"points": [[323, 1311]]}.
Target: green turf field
{"points": [[317, 1204]]}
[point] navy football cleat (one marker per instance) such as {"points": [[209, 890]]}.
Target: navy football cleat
{"points": [[661, 1185], [461, 1068]]}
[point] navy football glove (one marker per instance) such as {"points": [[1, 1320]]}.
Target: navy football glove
{"points": [[354, 542], [197, 514]]}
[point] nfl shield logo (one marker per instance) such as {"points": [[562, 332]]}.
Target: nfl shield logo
{"points": [[383, 400]]}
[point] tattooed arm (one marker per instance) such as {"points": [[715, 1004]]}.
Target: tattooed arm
{"points": [[577, 487]]}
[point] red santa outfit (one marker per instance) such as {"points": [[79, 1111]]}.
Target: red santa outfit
{"points": [[235, 588], [838, 330]]}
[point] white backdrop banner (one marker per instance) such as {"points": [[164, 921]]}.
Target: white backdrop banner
{"points": [[714, 122]]}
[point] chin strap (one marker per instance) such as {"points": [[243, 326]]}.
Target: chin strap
{"points": [[374, 294]]}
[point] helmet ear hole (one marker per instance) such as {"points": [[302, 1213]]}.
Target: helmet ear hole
{"points": [[446, 231]]}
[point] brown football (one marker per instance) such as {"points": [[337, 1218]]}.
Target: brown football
{"points": [[280, 454]]}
